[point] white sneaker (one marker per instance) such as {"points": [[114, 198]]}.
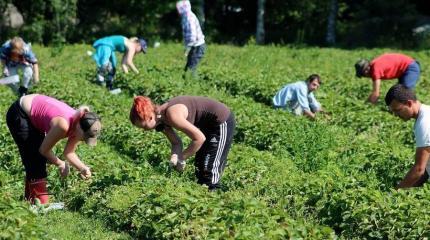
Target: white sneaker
{"points": [[115, 91], [35, 208], [54, 206]]}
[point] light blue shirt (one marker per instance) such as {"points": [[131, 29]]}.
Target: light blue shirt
{"points": [[296, 94], [27, 57]]}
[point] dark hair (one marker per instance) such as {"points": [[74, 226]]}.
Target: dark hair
{"points": [[314, 77], [399, 93], [361, 67], [87, 121]]}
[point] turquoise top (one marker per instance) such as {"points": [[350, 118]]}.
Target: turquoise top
{"points": [[116, 43]]}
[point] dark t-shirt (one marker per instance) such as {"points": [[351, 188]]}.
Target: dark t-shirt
{"points": [[203, 112]]}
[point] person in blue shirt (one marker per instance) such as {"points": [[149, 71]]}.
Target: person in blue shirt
{"points": [[15, 54], [298, 97], [106, 59]]}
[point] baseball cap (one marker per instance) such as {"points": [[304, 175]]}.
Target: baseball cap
{"points": [[91, 126], [360, 66], [143, 45]]}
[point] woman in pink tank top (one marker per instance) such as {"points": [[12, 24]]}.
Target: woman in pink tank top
{"points": [[37, 123]]}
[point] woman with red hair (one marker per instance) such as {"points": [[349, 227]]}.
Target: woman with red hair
{"points": [[208, 123]]}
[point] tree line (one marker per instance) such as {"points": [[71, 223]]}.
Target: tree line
{"points": [[341, 23]]}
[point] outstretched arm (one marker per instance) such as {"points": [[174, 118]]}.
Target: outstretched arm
{"points": [[71, 156], [302, 98], [373, 97], [411, 179], [176, 142], [177, 115], [36, 72], [127, 60], [55, 134]]}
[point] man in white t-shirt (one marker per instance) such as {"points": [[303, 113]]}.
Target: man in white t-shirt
{"points": [[404, 104]]}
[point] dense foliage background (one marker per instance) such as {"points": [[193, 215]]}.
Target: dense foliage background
{"points": [[344, 23], [287, 177]]}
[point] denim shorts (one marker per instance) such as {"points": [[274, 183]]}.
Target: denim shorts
{"points": [[410, 78]]}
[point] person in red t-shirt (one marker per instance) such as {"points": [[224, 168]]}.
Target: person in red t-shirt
{"points": [[388, 66]]}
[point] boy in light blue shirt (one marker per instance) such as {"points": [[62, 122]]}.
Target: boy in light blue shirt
{"points": [[298, 97], [15, 54]]}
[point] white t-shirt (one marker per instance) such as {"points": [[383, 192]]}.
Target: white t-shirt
{"points": [[422, 127]]}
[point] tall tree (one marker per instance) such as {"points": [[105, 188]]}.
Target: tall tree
{"points": [[259, 36], [201, 12], [330, 37]]}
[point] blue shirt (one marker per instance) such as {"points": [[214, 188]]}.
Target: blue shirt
{"points": [[116, 43], [28, 57], [296, 94]]}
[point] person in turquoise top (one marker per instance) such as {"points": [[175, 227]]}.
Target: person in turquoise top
{"points": [[106, 59], [298, 97]]}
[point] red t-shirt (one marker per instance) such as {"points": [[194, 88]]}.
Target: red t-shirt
{"points": [[389, 66]]}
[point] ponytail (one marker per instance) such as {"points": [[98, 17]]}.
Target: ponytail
{"points": [[134, 39], [142, 109]]}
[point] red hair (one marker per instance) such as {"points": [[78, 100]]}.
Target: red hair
{"points": [[142, 109]]}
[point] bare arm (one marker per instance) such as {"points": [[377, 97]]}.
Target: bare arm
{"points": [[417, 171], [127, 59], [36, 72], [309, 114], [177, 116], [124, 64], [175, 140], [70, 154], [373, 97], [55, 134]]}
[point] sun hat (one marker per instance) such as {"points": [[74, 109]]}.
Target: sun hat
{"points": [[91, 126]]}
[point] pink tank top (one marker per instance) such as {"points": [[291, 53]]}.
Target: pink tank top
{"points": [[44, 109]]}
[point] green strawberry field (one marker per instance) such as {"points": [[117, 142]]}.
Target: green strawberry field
{"points": [[287, 176]]}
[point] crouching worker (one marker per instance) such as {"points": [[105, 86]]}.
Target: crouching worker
{"points": [[15, 54], [208, 123], [37, 123], [298, 97], [404, 104], [106, 59], [388, 66]]}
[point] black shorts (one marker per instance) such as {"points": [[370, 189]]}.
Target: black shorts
{"points": [[29, 140], [211, 158]]}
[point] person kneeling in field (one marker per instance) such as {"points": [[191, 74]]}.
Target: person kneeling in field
{"points": [[388, 66], [209, 123], [404, 104], [298, 97], [16, 54], [106, 60], [37, 123]]}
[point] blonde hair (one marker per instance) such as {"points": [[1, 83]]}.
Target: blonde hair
{"points": [[81, 111], [134, 39], [17, 45]]}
